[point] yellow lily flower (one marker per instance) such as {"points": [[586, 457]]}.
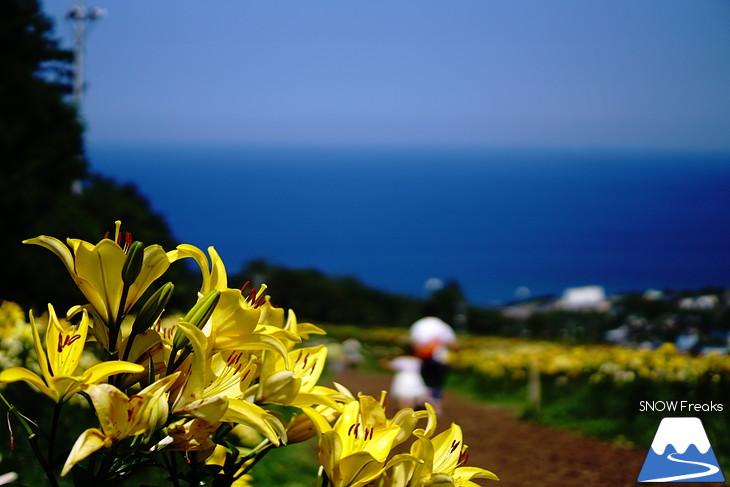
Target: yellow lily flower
{"points": [[188, 435], [214, 388], [441, 460], [373, 412], [353, 451], [97, 270], [213, 272], [301, 427], [147, 349], [295, 384], [234, 324], [65, 345], [273, 317], [120, 417]]}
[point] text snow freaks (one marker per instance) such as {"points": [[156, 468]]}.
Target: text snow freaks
{"points": [[679, 406]]}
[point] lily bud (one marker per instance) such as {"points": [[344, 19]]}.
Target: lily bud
{"points": [[301, 428], [202, 310], [133, 263], [153, 308], [279, 388], [439, 480], [198, 315]]}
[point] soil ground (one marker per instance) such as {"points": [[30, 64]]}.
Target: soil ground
{"points": [[523, 453]]}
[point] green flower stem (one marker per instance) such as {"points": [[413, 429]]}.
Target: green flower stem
{"points": [[54, 432], [262, 447], [323, 477], [171, 360], [171, 464], [185, 352], [174, 361], [33, 440], [128, 347], [257, 453], [104, 466], [117, 325]]}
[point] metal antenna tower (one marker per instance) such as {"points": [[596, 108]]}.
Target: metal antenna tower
{"points": [[79, 15]]}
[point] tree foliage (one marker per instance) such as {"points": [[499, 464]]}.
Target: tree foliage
{"points": [[45, 186], [331, 299], [40, 139]]}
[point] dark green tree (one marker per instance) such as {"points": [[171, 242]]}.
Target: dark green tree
{"points": [[449, 300], [41, 144], [103, 201], [45, 187], [320, 298]]}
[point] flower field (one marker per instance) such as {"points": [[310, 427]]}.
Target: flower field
{"points": [[498, 358], [600, 390]]}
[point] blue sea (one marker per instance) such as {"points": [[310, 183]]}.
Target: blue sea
{"points": [[495, 221]]}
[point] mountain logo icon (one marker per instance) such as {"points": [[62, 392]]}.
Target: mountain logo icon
{"points": [[680, 452]]}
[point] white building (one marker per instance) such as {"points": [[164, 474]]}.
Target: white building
{"points": [[709, 301], [585, 298]]}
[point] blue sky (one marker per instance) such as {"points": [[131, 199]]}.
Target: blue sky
{"points": [[559, 73]]}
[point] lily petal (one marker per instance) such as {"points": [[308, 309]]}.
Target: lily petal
{"points": [[99, 270], [57, 247], [359, 469], [468, 473], [14, 374], [244, 412], [155, 262], [90, 441], [191, 251], [209, 409], [101, 371]]}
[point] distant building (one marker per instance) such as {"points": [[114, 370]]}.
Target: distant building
{"points": [[586, 298], [708, 301], [653, 295]]}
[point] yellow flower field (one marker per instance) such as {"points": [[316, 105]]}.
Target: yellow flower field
{"points": [[504, 357]]}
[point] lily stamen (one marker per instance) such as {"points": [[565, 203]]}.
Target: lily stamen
{"points": [[255, 296], [245, 374], [463, 458], [63, 343], [454, 446], [252, 295], [166, 333], [127, 237], [234, 358]]}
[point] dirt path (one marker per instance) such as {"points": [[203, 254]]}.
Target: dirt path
{"points": [[525, 454]]}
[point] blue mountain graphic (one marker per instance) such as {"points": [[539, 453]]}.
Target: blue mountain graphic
{"points": [[670, 464]]}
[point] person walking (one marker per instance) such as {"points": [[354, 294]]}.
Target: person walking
{"points": [[407, 386], [431, 338]]}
